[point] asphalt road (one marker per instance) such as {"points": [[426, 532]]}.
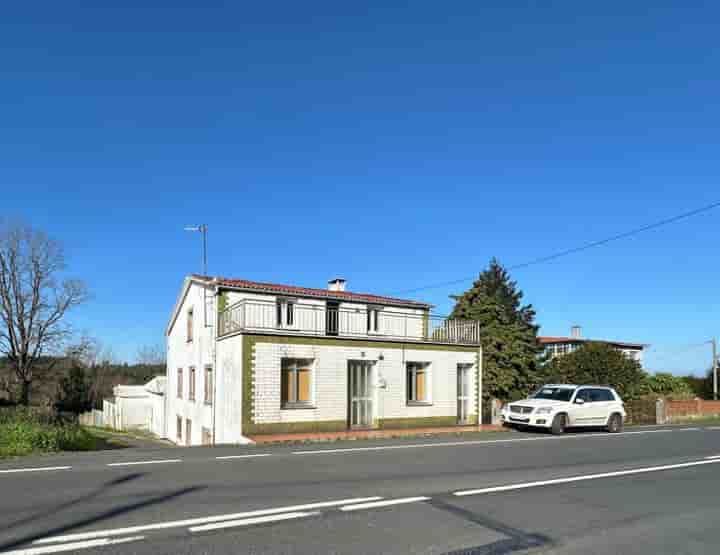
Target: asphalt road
{"points": [[653, 490]]}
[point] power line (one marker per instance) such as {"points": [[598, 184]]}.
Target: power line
{"points": [[575, 250]]}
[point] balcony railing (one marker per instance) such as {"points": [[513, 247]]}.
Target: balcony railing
{"points": [[318, 320]]}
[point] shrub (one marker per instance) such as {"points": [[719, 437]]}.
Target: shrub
{"points": [[668, 385], [23, 431]]}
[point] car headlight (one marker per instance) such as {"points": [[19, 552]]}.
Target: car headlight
{"points": [[544, 410]]}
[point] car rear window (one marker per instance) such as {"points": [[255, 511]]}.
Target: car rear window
{"points": [[554, 393]]}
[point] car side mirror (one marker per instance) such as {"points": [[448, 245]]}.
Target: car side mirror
{"points": [[579, 401]]}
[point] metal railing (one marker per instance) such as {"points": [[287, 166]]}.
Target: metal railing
{"points": [[317, 320]]}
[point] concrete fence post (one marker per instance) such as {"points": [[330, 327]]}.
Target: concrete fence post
{"points": [[660, 413], [496, 408]]}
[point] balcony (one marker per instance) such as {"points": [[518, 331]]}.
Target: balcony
{"points": [[320, 320]]}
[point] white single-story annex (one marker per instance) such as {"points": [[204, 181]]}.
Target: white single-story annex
{"points": [[137, 407], [248, 358]]}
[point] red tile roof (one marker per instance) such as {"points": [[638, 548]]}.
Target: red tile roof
{"points": [[312, 292], [545, 340]]}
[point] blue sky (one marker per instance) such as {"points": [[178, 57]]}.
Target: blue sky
{"points": [[396, 146]]}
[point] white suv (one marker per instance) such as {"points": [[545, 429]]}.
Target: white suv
{"points": [[559, 407]]}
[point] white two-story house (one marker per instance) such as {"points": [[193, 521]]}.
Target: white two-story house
{"points": [[248, 358]]}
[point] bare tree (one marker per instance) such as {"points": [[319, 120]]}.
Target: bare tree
{"points": [[152, 355], [33, 301]]}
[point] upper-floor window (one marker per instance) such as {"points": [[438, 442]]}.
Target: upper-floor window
{"points": [[179, 383], [373, 319], [189, 325], [191, 385], [285, 313]]}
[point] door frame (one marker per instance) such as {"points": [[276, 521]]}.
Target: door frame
{"points": [[370, 397], [463, 374]]}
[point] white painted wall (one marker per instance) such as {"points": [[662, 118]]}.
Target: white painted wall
{"points": [[156, 389], [183, 354], [229, 391]]}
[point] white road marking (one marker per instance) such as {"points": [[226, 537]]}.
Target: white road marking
{"points": [[713, 457], [242, 456], [41, 469], [571, 479], [250, 521], [485, 441], [132, 463], [387, 503], [72, 546], [200, 520]]}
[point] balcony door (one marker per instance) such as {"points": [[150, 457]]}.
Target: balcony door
{"points": [[332, 318], [360, 394]]}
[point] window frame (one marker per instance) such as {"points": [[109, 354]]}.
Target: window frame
{"points": [[180, 385], [192, 376], [297, 364], [412, 368], [373, 317], [285, 316], [208, 385], [190, 325]]}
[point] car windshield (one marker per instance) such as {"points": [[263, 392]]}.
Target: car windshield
{"points": [[554, 393]]}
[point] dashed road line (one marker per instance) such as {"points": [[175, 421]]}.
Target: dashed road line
{"points": [[230, 457], [72, 546], [40, 469], [387, 503], [526, 485], [251, 521], [133, 463], [201, 520]]}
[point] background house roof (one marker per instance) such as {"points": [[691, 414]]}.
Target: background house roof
{"points": [[311, 292], [545, 340]]}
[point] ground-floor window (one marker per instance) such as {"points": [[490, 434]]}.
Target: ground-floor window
{"points": [[418, 382], [179, 429], [296, 382], [206, 436], [188, 431]]}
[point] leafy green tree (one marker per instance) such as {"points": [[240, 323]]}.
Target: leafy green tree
{"points": [[598, 364], [74, 392], [508, 332], [666, 384], [701, 386]]}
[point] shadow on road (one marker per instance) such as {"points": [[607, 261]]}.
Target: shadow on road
{"points": [[516, 540], [93, 519], [58, 508]]}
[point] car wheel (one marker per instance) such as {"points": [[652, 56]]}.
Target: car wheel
{"points": [[559, 424], [615, 424]]}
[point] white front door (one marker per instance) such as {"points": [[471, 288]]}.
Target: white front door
{"points": [[360, 394], [463, 393]]}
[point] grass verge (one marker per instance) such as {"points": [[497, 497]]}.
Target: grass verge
{"points": [[23, 433]]}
